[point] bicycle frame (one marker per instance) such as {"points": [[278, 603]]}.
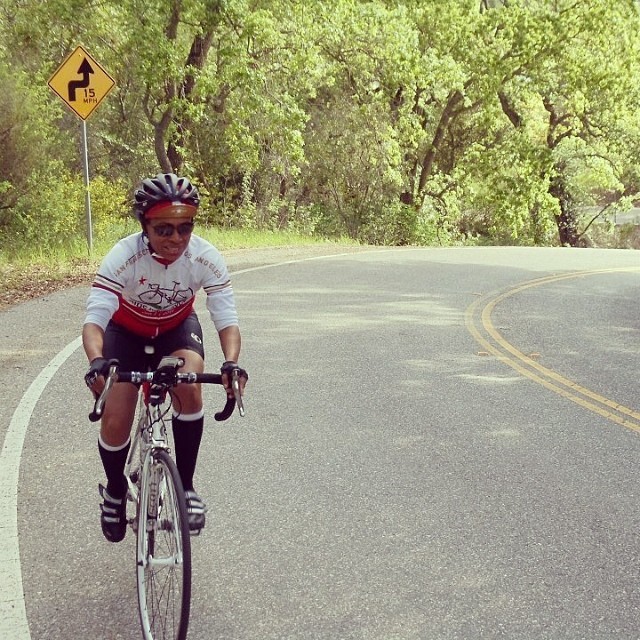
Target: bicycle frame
{"points": [[150, 434]]}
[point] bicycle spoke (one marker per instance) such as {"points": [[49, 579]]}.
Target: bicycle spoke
{"points": [[164, 570]]}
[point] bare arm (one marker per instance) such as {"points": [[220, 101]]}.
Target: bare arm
{"points": [[92, 340], [230, 341]]}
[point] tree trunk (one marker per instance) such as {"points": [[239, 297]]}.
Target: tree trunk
{"points": [[195, 62], [160, 134], [566, 220], [426, 169], [568, 229]]}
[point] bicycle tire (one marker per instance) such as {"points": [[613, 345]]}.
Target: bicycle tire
{"points": [[163, 551]]}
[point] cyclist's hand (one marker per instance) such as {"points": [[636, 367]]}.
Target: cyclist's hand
{"points": [[227, 370], [94, 378]]}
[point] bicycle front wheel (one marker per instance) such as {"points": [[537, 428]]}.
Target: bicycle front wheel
{"points": [[163, 551]]}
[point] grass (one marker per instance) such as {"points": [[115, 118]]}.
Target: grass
{"points": [[26, 273]]}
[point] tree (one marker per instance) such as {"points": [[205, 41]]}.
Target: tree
{"points": [[587, 91]]}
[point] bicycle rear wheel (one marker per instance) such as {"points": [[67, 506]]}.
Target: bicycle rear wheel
{"points": [[163, 551]]}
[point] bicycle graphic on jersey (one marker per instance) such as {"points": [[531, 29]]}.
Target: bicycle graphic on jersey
{"points": [[155, 295]]}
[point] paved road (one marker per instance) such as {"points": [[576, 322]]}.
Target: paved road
{"points": [[439, 443]]}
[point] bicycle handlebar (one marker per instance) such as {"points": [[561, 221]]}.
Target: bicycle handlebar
{"points": [[167, 379]]}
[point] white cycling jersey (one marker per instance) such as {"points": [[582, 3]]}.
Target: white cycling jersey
{"points": [[148, 296]]}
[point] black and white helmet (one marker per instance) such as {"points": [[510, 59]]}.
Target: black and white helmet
{"points": [[165, 187]]}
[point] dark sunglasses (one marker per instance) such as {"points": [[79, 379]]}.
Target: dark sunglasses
{"points": [[166, 230]]}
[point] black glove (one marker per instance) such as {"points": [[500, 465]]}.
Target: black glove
{"points": [[97, 367], [230, 366]]}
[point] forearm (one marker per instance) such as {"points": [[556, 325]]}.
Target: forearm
{"points": [[230, 341], [92, 340]]}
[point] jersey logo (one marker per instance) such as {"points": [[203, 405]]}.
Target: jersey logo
{"points": [[159, 297]]}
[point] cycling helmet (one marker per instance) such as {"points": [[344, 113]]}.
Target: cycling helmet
{"points": [[178, 194]]}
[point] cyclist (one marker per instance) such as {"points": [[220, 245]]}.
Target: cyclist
{"points": [[142, 296]]}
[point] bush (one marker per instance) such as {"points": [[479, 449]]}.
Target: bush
{"points": [[110, 209], [50, 213]]}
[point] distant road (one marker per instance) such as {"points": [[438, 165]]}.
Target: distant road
{"points": [[439, 443], [632, 216]]}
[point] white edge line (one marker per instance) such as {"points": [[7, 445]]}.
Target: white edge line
{"points": [[265, 266], [13, 615], [298, 260]]}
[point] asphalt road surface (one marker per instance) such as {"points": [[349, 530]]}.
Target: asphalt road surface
{"points": [[439, 444]]}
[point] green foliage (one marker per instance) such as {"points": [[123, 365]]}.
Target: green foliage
{"points": [[110, 208], [390, 122], [60, 222], [355, 165], [29, 139]]}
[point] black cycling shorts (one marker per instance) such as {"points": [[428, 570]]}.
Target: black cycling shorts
{"points": [[131, 349]]}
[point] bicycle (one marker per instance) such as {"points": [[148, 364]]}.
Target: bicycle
{"points": [[160, 522]]}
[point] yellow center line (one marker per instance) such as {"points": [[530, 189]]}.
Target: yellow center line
{"points": [[528, 367]]}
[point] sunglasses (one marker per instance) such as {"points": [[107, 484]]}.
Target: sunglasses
{"points": [[166, 230]]}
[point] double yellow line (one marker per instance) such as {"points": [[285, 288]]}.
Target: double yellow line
{"points": [[479, 323]]}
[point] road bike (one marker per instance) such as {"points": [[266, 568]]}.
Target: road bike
{"points": [[156, 497]]}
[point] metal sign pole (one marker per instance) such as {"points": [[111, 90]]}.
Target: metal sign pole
{"points": [[87, 194], [82, 84]]}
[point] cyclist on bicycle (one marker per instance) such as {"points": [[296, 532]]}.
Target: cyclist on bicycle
{"points": [[143, 296]]}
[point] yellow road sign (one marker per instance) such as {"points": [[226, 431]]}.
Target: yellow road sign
{"points": [[81, 82]]}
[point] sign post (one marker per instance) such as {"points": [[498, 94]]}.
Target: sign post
{"points": [[82, 84]]}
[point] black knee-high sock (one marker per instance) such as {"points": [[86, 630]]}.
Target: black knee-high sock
{"points": [[187, 435], [113, 461]]}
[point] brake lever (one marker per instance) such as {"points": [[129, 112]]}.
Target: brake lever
{"points": [[98, 406], [235, 386]]}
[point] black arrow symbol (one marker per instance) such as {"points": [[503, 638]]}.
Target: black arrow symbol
{"points": [[85, 70]]}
